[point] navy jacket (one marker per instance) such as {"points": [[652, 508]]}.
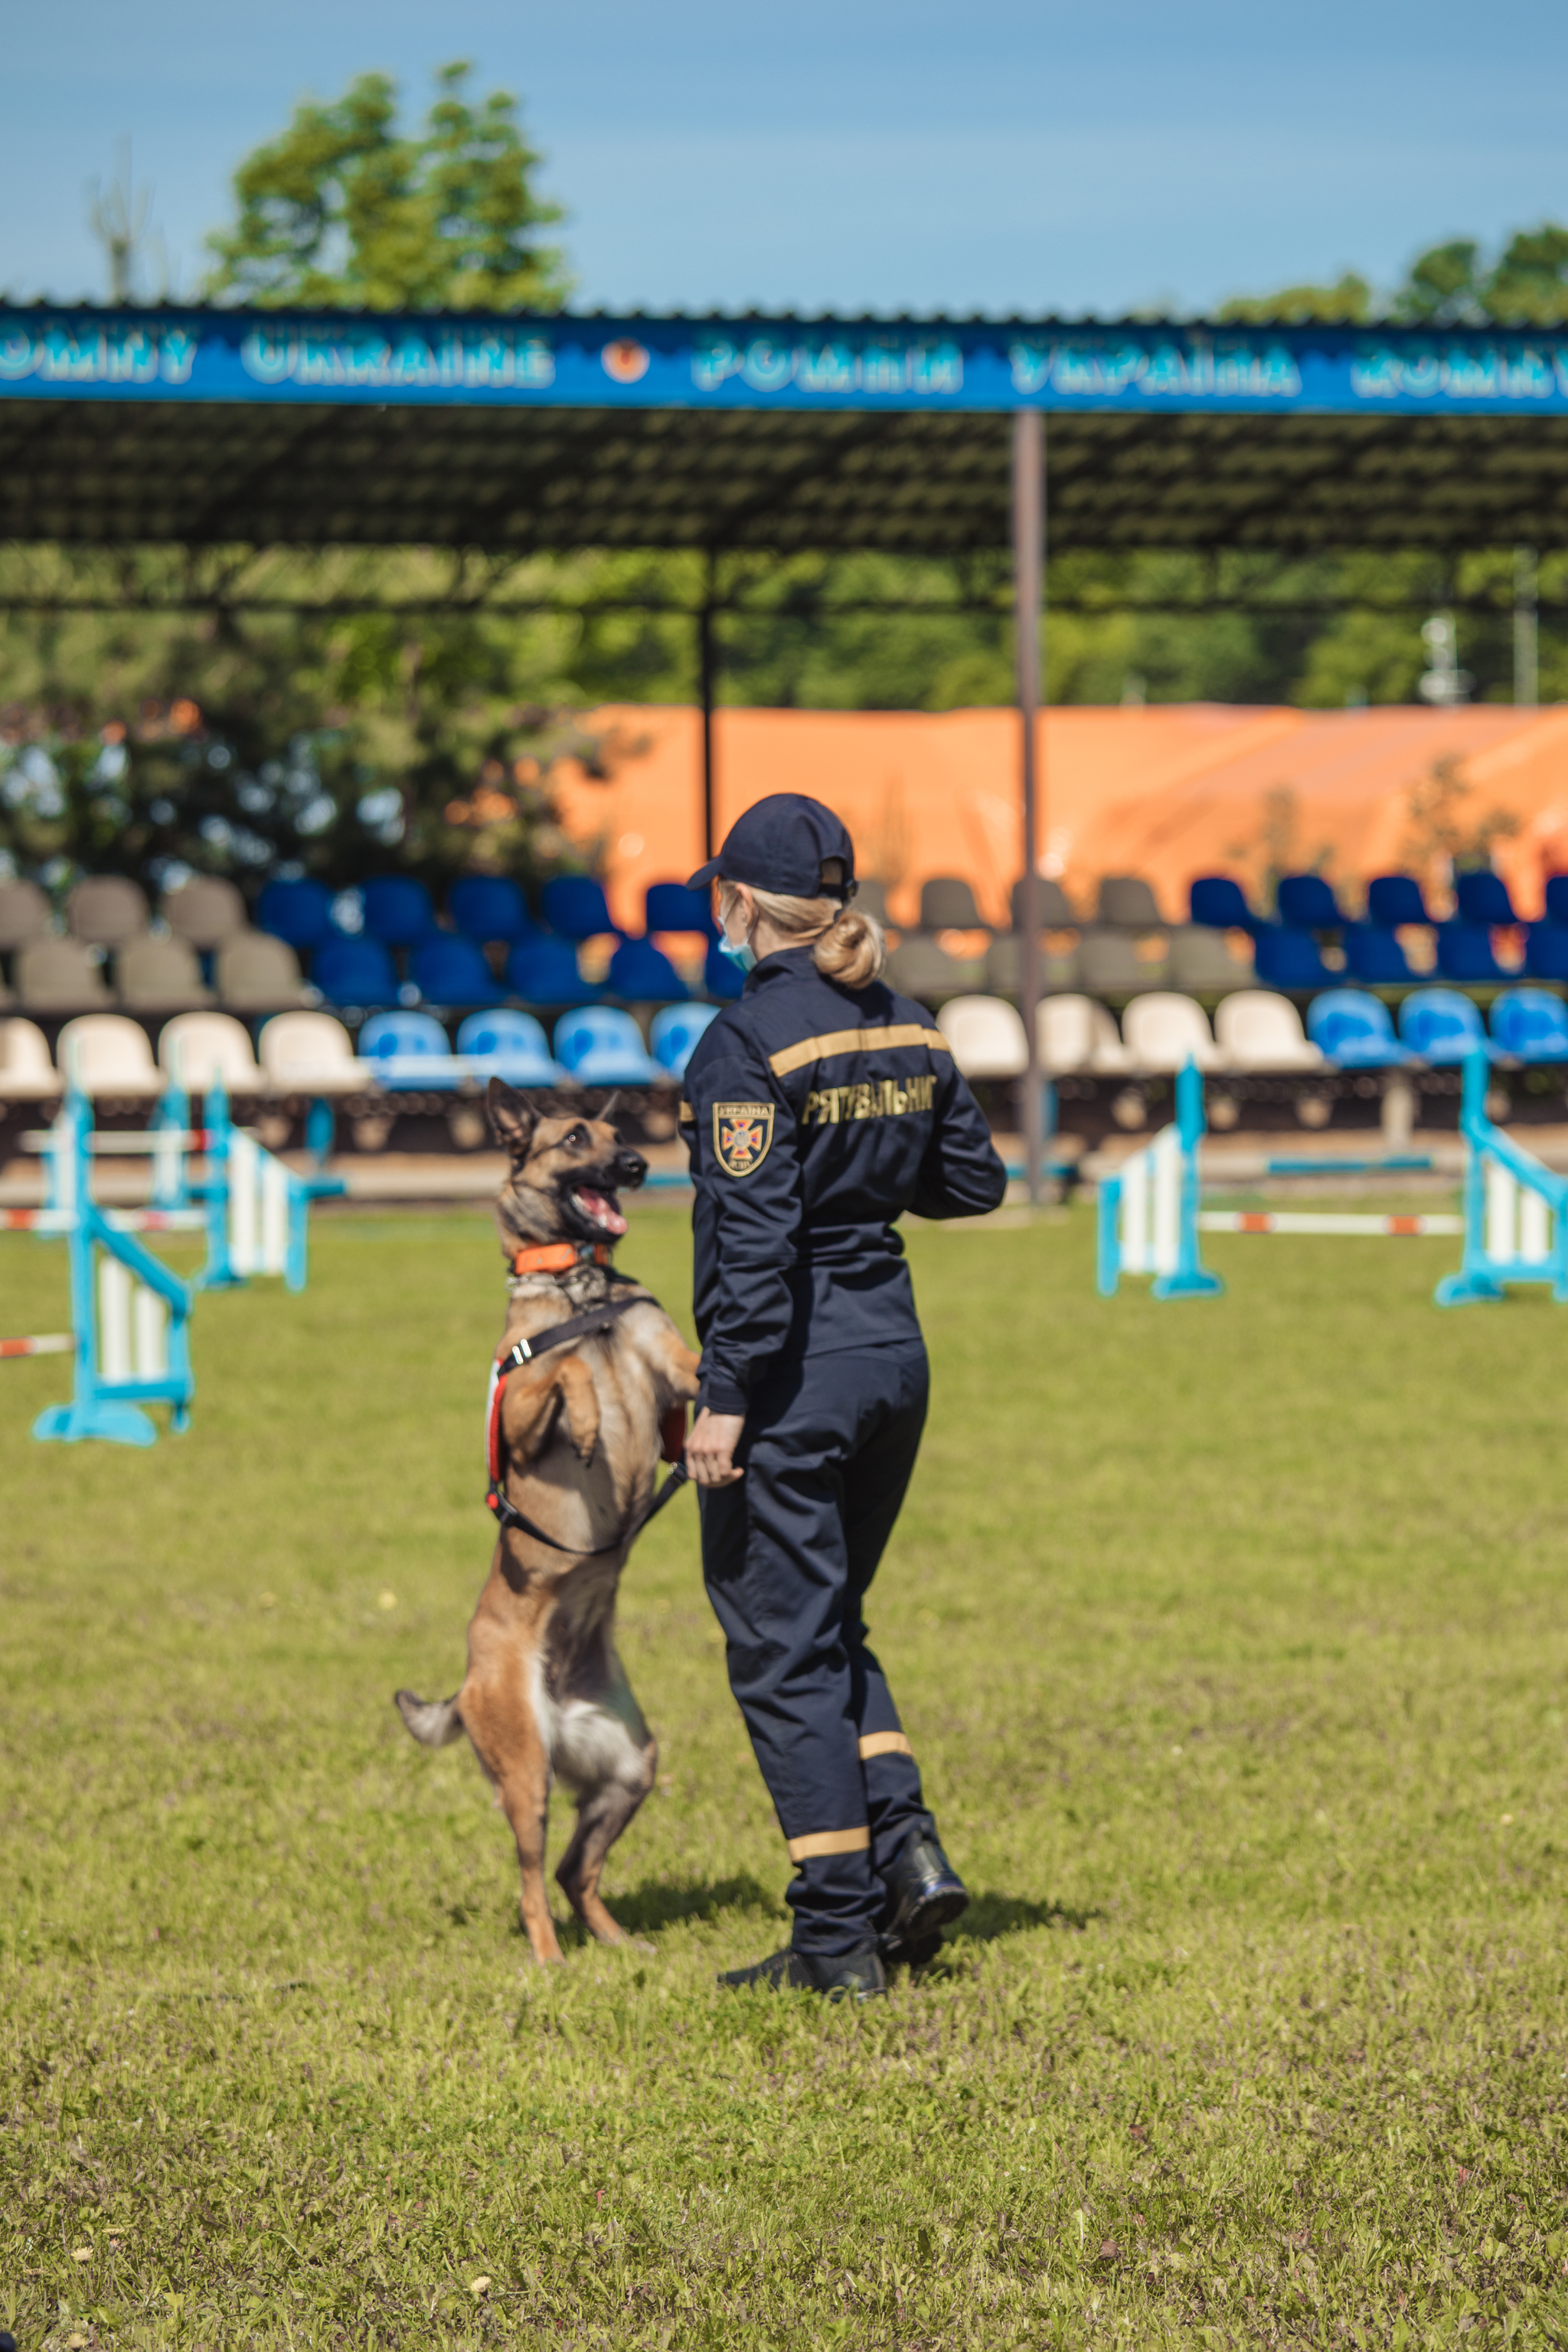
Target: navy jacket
{"points": [[815, 1116]]}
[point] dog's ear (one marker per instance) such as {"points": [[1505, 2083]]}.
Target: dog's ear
{"points": [[512, 1118]]}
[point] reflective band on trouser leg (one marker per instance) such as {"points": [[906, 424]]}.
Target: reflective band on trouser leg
{"points": [[884, 1743], [823, 1841]]}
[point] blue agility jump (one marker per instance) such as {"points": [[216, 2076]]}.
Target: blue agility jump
{"points": [[129, 1315], [1516, 1211], [1515, 1222], [1149, 1210]]}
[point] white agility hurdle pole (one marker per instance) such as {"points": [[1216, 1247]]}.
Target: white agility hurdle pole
{"points": [[1148, 1211], [1516, 1210]]}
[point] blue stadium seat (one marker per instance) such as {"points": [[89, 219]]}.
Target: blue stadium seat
{"points": [[1374, 956], [510, 1045], [671, 906], [450, 969], [1395, 899], [1465, 953], [719, 977], [602, 1047], [410, 1050], [299, 911], [1307, 904], [1220, 904], [1557, 899], [351, 971], [1483, 899], [674, 1033], [1546, 950], [397, 910], [544, 971], [574, 906], [1289, 960], [1354, 1030], [1530, 1024], [1441, 1025], [486, 907], [640, 973]]}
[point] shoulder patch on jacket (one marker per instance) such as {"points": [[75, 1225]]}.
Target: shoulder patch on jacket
{"points": [[742, 1134]]}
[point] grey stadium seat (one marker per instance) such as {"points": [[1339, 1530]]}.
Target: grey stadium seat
{"points": [[920, 967], [154, 975], [106, 910], [1109, 961], [1056, 908], [1200, 959], [257, 974], [206, 910], [947, 904], [59, 976], [24, 914], [1127, 901]]}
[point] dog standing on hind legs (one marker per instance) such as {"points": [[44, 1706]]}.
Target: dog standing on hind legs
{"points": [[575, 1432]]}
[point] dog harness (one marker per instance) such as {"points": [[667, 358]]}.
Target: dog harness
{"points": [[595, 1323]]}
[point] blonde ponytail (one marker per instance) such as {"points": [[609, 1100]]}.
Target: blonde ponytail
{"points": [[848, 948], [852, 951]]}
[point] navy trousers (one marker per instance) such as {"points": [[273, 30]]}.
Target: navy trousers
{"points": [[787, 1554]]}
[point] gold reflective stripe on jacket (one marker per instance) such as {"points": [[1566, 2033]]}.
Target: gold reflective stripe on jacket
{"points": [[855, 1040]]}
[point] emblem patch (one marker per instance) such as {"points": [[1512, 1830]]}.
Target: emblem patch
{"points": [[742, 1132]]}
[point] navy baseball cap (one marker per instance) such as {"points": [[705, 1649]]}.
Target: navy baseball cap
{"points": [[781, 844]]}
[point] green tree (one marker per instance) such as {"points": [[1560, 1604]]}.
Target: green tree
{"points": [[346, 208], [1348, 302], [1530, 283], [1443, 287]]}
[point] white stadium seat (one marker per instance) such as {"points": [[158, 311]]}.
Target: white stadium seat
{"points": [[105, 1054], [1163, 1031], [27, 1073], [309, 1052], [199, 1047], [1077, 1034], [1260, 1031], [987, 1036]]}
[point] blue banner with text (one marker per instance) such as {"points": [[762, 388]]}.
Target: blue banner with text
{"points": [[576, 363]]}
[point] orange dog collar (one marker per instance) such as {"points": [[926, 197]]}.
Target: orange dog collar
{"points": [[560, 1258]]}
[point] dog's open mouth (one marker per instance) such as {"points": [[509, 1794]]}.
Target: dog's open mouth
{"points": [[599, 1210]]}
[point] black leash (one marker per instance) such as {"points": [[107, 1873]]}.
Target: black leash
{"points": [[597, 1322]]}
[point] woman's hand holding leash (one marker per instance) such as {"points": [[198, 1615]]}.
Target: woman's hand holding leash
{"points": [[710, 1448]]}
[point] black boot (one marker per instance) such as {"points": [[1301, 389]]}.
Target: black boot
{"points": [[924, 1893], [855, 1976]]}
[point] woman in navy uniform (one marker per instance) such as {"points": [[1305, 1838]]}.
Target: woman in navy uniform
{"points": [[819, 1107]]}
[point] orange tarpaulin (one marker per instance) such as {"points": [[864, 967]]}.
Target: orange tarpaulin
{"points": [[1168, 792]]}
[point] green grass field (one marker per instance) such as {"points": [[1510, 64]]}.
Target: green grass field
{"points": [[1231, 1640]]}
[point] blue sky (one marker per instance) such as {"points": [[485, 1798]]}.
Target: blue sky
{"points": [[849, 155]]}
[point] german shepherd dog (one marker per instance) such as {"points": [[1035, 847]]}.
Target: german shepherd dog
{"points": [[545, 1696]]}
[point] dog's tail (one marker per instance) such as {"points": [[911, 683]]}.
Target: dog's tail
{"points": [[435, 1722]]}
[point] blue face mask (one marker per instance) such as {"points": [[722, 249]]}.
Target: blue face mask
{"points": [[743, 958]]}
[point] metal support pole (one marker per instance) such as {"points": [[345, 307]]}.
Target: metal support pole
{"points": [[707, 674], [1029, 595], [1526, 647]]}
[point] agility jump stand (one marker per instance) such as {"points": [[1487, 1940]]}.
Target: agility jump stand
{"points": [[130, 1320], [1148, 1211], [257, 1209], [1516, 1211]]}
